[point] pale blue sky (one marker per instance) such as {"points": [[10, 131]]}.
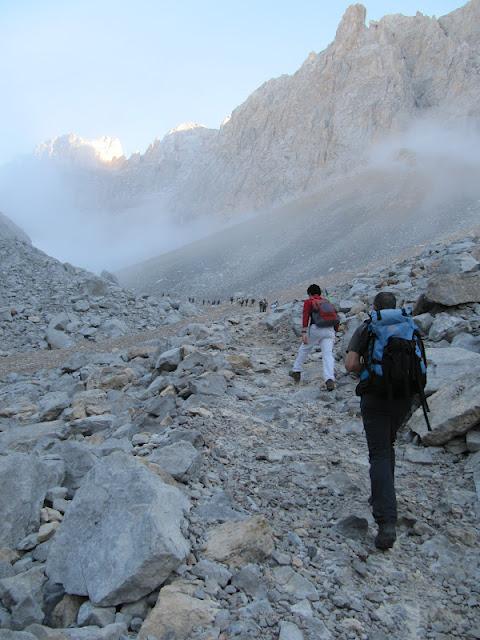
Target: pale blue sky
{"points": [[135, 69]]}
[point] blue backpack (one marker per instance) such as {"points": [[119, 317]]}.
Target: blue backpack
{"points": [[395, 363]]}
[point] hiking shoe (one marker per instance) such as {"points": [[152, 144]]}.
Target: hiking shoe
{"points": [[386, 536], [296, 375], [330, 384]]}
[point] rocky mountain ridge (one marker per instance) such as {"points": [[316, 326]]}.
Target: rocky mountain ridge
{"points": [[295, 131]]}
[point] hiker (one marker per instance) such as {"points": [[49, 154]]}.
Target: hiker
{"points": [[319, 323], [388, 353]]}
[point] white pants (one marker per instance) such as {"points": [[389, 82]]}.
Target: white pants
{"points": [[325, 338]]}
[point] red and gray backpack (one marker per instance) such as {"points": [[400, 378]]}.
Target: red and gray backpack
{"points": [[324, 314]]}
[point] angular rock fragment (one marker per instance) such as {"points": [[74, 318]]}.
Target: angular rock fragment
{"points": [[180, 459], [237, 543], [121, 537], [24, 481], [454, 410], [178, 612]]}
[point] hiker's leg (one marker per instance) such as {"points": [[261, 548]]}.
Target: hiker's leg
{"points": [[378, 427], [326, 345], [302, 355], [305, 349], [400, 409]]}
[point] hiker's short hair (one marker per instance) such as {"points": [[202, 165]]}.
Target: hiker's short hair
{"points": [[384, 300], [314, 290]]}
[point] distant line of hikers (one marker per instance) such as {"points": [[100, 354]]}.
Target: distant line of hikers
{"points": [[388, 354]]}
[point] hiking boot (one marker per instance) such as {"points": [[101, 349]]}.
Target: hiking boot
{"points": [[330, 384], [296, 375], [386, 536]]}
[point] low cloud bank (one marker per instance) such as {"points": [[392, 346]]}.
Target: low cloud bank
{"points": [[59, 211]]}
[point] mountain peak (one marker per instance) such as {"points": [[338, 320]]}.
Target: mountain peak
{"points": [[351, 25], [186, 126], [74, 148]]}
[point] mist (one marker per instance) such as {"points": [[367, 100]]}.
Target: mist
{"points": [[58, 208], [445, 153]]}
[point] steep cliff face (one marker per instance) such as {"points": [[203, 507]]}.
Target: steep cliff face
{"points": [[296, 130]]}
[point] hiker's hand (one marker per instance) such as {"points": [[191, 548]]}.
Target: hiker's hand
{"points": [[305, 338]]}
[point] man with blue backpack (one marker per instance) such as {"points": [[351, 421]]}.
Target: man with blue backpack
{"points": [[388, 353]]}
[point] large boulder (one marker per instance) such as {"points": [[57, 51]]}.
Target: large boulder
{"points": [[25, 480], [457, 263], [454, 410], [121, 536], [450, 290], [448, 364]]}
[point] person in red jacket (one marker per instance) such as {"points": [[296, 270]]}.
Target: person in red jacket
{"points": [[318, 328]]}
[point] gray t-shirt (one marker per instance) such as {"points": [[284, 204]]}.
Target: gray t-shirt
{"points": [[359, 340]]}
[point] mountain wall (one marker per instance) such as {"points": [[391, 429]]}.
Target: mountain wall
{"points": [[294, 131]]}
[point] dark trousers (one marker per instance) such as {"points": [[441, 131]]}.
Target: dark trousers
{"points": [[381, 420]]}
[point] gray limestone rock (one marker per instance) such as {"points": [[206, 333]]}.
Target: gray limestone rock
{"points": [[353, 527], [446, 327], [467, 341], [110, 632], [78, 458], [457, 263], [180, 459], [473, 440], [88, 614], [450, 290], [25, 480], [209, 384], [209, 570], [418, 455], [161, 406], [114, 328], [169, 360], [424, 321], [218, 508], [294, 584], [290, 631], [22, 594], [52, 404], [449, 364], [454, 410], [58, 339], [101, 548]]}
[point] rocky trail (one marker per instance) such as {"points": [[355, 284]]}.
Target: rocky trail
{"points": [[176, 484]]}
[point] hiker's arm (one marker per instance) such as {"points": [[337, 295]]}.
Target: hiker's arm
{"points": [[352, 362], [305, 320]]}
